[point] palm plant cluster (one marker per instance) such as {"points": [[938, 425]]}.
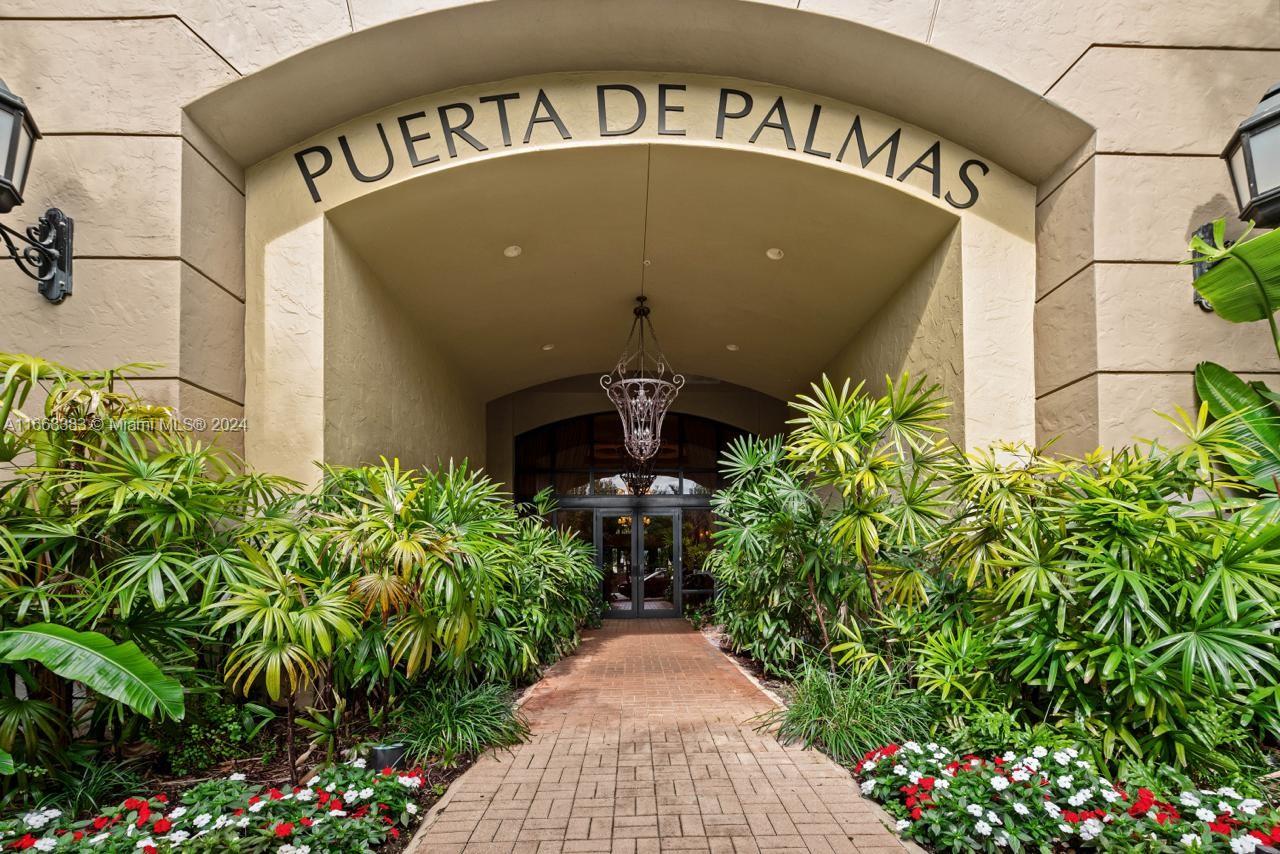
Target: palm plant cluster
{"points": [[1128, 599], [139, 567]]}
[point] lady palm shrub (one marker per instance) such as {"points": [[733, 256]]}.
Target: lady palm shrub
{"points": [[133, 556], [1128, 598], [1133, 594]]}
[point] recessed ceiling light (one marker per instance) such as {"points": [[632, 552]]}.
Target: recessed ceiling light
{"points": [[732, 348], [548, 346], [512, 251], [774, 254]]}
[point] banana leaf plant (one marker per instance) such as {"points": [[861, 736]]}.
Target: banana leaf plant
{"points": [[1242, 285]]}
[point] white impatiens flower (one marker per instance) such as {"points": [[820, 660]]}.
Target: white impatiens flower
{"points": [[337, 813], [1110, 795], [1040, 752], [313, 781], [1250, 806], [48, 843], [351, 796], [1190, 840], [1009, 756], [1066, 829], [1066, 781], [983, 828], [902, 824], [867, 786], [942, 784], [99, 839], [1032, 763], [992, 817], [366, 793], [1061, 757], [202, 819], [1002, 839], [1189, 799], [915, 777], [258, 807], [1205, 815], [416, 782], [358, 763], [411, 808], [999, 783], [52, 814], [1228, 792], [177, 837], [236, 778], [1244, 844], [1052, 809], [305, 795], [178, 812], [147, 842], [1020, 775], [35, 820], [1021, 809], [974, 810], [1224, 807], [1083, 764], [913, 747], [900, 770], [1091, 828]]}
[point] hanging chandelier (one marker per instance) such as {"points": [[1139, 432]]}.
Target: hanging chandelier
{"points": [[642, 387]]}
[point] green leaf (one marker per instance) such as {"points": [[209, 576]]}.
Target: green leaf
{"points": [[6, 762], [119, 671], [1230, 286], [1256, 428]]}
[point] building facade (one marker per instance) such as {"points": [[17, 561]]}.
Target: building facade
{"points": [[352, 228]]}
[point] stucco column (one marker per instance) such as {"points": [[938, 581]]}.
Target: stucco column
{"points": [[284, 355]]}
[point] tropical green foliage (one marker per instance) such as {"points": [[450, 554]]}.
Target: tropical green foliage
{"points": [[143, 565], [1130, 598], [846, 714], [821, 529], [447, 721]]}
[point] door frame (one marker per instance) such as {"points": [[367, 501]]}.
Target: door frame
{"points": [[637, 506]]}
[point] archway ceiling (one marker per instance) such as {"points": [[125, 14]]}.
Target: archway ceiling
{"points": [[586, 218]]}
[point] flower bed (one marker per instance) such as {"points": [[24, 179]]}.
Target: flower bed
{"points": [[343, 808], [1050, 799]]}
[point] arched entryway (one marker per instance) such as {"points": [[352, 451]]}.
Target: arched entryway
{"points": [[651, 537]]}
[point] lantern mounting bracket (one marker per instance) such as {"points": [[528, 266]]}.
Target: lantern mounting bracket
{"points": [[43, 253]]}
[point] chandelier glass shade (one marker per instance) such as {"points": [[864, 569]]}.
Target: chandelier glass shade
{"points": [[642, 387]]}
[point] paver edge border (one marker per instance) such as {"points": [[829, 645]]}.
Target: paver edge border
{"points": [[887, 820]]}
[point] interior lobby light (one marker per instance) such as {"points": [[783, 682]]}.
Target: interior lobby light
{"points": [[42, 251], [732, 348], [513, 251], [548, 346], [774, 254]]}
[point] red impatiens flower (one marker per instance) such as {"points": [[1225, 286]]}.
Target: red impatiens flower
{"points": [[134, 804], [25, 842], [149, 849], [284, 829], [101, 822], [305, 821], [275, 794], [162, 826], [395, 834], [388, 771], [162, 798], [1146, 800], [915, 813]]}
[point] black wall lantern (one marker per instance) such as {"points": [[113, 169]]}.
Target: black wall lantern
{"points": [[43, 252], [1253, 158]]}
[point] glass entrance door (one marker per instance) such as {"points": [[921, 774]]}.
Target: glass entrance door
{"points": [[640, 562], [656, 566]]}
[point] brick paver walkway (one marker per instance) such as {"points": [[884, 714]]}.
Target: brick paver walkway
{"points": [[642, 744]]}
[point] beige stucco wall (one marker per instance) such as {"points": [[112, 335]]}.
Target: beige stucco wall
{"points": [[159, 206], [388, 393], [919, 331]]}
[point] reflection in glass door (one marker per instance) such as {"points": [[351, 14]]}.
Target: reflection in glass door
{"points": [[657, 566], [615, 549]]}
